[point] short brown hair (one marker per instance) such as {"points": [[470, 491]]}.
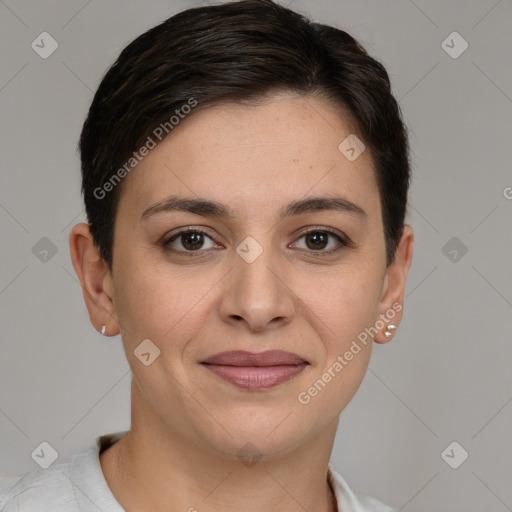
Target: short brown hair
{"points": [[236, 52]]}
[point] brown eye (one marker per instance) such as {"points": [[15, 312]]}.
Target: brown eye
{"points": [[318, 240], [192, 241], [188, 241]]}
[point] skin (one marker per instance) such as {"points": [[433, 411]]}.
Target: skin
{"points": [[187, 423]]}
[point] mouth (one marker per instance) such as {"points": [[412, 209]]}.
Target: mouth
{"points": [[254, 371]]}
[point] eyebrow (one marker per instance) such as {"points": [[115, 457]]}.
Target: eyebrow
{"points": [[209, 208]]}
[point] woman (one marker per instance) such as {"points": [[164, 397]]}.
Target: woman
{"points": [[245, 176]]}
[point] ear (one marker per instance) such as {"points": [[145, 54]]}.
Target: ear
{"points": [[392, 298], [95, 278]]}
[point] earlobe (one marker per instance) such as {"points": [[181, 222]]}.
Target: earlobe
{"points": [[391, 303], [94, 276]]}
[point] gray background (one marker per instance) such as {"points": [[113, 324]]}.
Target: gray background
{"points": [[445, 376]]}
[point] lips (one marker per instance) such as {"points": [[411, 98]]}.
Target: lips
{"points": [[254, 371], [243, 358]]}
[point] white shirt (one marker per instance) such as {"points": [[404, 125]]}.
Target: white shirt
{"points": [[80, 486]]}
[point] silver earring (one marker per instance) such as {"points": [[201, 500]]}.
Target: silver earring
{"points": [[390, 330], [103, 329]]}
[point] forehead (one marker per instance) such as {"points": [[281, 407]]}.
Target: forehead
{"points": [[257, 156]]}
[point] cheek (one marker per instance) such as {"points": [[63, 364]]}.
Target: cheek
{"points": [[347, 303], [155, 305], [344, 307]]}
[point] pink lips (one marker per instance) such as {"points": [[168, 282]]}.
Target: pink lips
{"points": [[255, 370]]}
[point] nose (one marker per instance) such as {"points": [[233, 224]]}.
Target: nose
{"points": [[258, 293]]}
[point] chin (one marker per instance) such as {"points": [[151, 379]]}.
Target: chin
{"points": [[260, 435]]}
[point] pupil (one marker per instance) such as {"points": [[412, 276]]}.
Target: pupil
{"points": [[197, 240], [318, 237]]}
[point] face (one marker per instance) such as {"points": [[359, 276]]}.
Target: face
{"points": [[307, 279]]}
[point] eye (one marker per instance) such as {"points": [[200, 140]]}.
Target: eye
{"points": [[317, 240], [190, 239]]}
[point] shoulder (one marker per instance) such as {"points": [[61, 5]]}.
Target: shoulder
{"points": [[72, 486], [351, 501], [40, 490]]}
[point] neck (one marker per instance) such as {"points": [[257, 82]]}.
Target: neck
{"points": [[154, 468]]}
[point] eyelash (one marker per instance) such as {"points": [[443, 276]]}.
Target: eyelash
{"points": [[345, 242]]}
